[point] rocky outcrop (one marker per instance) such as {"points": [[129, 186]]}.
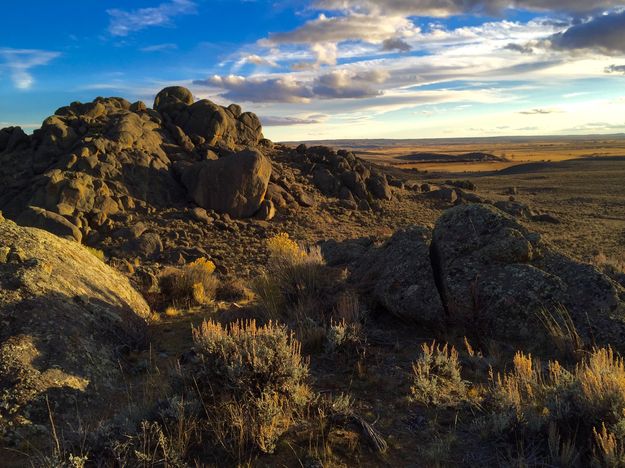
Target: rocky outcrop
{"points": [[342, 175], [207, 123], [91, 162], [400, 278], [52, 222], [66, 320], [498, 276], [235, 184]]}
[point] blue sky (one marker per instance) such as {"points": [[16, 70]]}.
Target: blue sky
{"points": [[316, 69]]}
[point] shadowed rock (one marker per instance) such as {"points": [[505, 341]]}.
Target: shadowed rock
{"points": [[66, 319], [497, 275], [400, 278]]}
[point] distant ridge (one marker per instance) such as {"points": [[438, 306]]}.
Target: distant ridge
{"points": [[365, 143]]}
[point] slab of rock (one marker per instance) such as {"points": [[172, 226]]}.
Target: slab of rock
{"points": [[235, 184], [400, 278], [497, 277], [56, 224], [66, 320]]}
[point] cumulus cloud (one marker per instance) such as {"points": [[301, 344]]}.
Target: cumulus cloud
{"points": [[395, 44], [343, 84], [123, 22], [604, 33], [338, 84], [444, 8], [20, 61], [250, 89]]}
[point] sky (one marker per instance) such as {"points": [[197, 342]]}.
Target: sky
{"points": [[330, 69]]}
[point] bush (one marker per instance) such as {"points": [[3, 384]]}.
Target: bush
{"points": [[251, 379], [586, 404], [192, 284], [296, 272], [298, 289], [436, 377]]}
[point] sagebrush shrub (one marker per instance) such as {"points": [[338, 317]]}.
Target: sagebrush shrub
{"points": [[436, 377], [586, 404], [252, 378]]}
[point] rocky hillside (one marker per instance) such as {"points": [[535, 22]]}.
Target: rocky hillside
{"points": [[250, 303]]}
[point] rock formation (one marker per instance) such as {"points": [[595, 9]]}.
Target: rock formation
{"points": [[495, 272], [66, 320], [235, 184], [91, 161]]}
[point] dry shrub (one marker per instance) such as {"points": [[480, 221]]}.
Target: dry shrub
{"points": [[294, 274], [570, 402], [252, 380], [608, 451], [194, 283], [96, 253], [611, 266], [300, 290], [234, 290], [436, 377]]}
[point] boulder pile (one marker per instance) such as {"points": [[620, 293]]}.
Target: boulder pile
{"points": [[480, 269], [342, 175], [90, 162]]}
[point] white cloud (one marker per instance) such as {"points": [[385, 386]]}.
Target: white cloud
{"points": [[239, 88], [123, 22], [353, 26], [159, 47], [444, 8], [20, 61]]}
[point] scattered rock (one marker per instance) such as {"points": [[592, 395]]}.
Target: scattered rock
{"points": [[445, 194]]}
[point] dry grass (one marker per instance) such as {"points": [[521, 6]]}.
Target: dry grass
{"points": [[96, 253], [563, 333], [608, 451], [564, 405]]}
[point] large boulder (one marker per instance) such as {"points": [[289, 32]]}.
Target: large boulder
{"points": [[172, 96], [498, 277], [67, 319], [400, 278], [235, 184]]}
